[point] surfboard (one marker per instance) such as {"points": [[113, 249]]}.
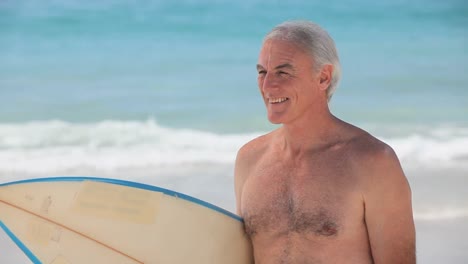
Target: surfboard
{"points": [[96, 220]]}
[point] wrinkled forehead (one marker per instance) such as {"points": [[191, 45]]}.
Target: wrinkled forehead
{"points": [[275, 52]]}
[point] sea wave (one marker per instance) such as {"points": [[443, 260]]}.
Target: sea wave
{"points": [[56, 146], [441, 214], [49, 146], [449, 150]]}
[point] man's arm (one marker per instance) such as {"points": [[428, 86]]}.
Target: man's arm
{"points": [[388, 210], [240, 173]]}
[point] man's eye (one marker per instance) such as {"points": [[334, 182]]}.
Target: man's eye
{"points": [[282, 73], [261, 72]]}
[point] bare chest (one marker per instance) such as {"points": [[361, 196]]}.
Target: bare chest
{"points": [[281, 198]]}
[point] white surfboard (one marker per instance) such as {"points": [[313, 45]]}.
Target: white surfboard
{"points": [[95, 220]]}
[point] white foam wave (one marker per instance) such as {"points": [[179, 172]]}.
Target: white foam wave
{"points": [[439, 149], [441, 214], [42, 147], [50, 146]]}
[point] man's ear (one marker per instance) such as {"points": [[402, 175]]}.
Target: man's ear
{"points": [[325, 76]]}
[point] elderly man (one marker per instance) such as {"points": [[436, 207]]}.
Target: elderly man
{"points": [[317, 189]]}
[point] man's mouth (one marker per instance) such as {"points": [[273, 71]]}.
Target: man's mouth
{"points": [[277, 100]]}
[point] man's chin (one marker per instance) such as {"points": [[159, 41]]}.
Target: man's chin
{"points": [[275, 121]]}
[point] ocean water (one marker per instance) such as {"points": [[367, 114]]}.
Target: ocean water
{"points": [[164, 92]]}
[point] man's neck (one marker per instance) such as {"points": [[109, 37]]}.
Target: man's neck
{"points": [[310, 132]]}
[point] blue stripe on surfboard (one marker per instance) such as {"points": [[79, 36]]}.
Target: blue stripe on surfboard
{"points": [[130, 184], [20, 244]]}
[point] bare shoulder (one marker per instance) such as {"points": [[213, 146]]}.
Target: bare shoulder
{"points": [[374, 161], [252, 147], [252, 150], [372, 154], [377, 165], [250, 153]]}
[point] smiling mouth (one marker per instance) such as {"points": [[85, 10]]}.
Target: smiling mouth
{"points": [[277, 100]]}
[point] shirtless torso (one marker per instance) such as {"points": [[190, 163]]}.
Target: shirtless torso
{"points": [[306, 208]]}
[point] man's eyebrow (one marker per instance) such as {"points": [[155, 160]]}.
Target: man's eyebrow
{"points": [[284, 65], [281, 66]]}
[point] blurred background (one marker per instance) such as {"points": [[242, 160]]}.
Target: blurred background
{"points": [[164, 92]]}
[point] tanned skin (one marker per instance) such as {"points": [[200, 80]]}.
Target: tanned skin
{"points": [[317, 189]]}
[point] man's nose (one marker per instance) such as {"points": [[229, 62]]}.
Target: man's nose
{"points": [[269, 82]]}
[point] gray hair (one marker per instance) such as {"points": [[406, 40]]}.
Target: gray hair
{"points": [[315, 41]]}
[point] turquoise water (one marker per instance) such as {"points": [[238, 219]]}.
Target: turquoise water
{"points": [[191, 64]]}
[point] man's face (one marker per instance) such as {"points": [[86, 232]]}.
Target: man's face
{"points": [[286, 80]]}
